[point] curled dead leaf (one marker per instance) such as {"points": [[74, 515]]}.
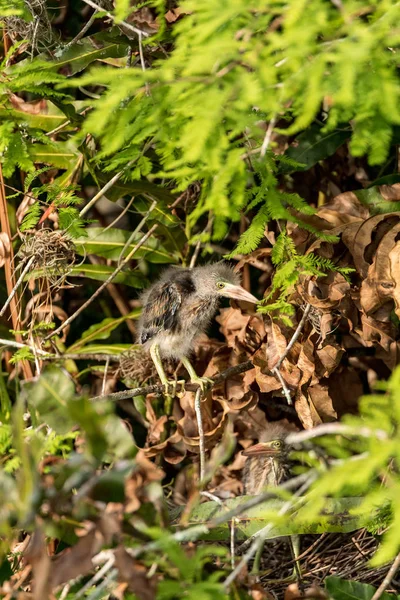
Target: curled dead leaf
{"points": [[5, 247]]}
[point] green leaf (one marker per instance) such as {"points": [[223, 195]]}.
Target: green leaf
{"points": [[5, 402], [45, 122], [57, 155], [102, 330], [102, 273], [313, 145], [337, 517], [48, 398], [81, 54], [340, 589], [110, 243]]}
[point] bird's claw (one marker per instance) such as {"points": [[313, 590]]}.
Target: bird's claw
{"points": [[170, 387], [203, 382]]}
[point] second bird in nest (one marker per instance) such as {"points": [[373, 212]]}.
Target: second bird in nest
{"points": [[180, 306], [268, 461]]}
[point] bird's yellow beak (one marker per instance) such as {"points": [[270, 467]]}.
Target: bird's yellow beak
{"points": [[236, 292], [261, 449]]}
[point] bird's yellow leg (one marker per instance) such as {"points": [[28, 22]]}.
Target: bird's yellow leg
{"points": [[204, 382], [169, 385]]}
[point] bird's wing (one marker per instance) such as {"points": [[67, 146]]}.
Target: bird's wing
{"points": [[160, 310]]}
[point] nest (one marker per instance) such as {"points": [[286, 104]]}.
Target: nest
{"points": [[38, 30], [342, 555], [135, 366], [51, 251]]}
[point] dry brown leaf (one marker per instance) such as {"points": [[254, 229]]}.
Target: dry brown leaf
{"points": [[172, 449], [135, 575], [5, 246], [145, 473], [328, 359], [77, 560], [322, 403], [37, 556]]}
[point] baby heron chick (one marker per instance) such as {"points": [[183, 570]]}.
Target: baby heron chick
{"points": [[179, 307], [267, 462]]}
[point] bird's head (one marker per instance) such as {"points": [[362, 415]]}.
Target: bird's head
{"points": [[220, 279], [272, 444]]}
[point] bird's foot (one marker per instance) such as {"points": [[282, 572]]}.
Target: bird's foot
{"points": [[170, 386], [203, 382]]}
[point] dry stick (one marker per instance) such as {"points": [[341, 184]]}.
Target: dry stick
{"points": [[16, 286], [9, 273], [389, 576], [159, 389], [259, 537], [105, 284], [67, 356], [290, 345], [110, 16], [96, 577], [202, 451], [82, 31], [136, 230], [103, 387], [333, 428], [103, 190], [267, 138]]}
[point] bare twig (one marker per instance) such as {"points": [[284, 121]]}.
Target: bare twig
{"points": [[285, 388], [389, 576], [232, 542], [334, 428], [8, 271], [103, 190], [105, 284], [96, 577], [16, 286], [202, 451], [267, 138], [82, 31], [276, 368], [103, 387], [294, 336], [159, 389], [110, 16], [136, 231], [19, 345]]}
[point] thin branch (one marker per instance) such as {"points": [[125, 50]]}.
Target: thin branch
{"points": [[202, 451], [82, 31], [285, 388], [96, 577], [18, 345], [267, 138], [103, 190], [105, 284], [110, 16], [276, 368], [103, 387], [294, 336], [16, 286], [389, 576], [334, 428], [159, 389]]}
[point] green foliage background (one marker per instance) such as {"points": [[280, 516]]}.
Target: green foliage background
{"points": [[198, 109]]}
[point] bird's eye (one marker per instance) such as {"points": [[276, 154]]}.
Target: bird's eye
{"points": [[277, 444], [220, 285]]}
